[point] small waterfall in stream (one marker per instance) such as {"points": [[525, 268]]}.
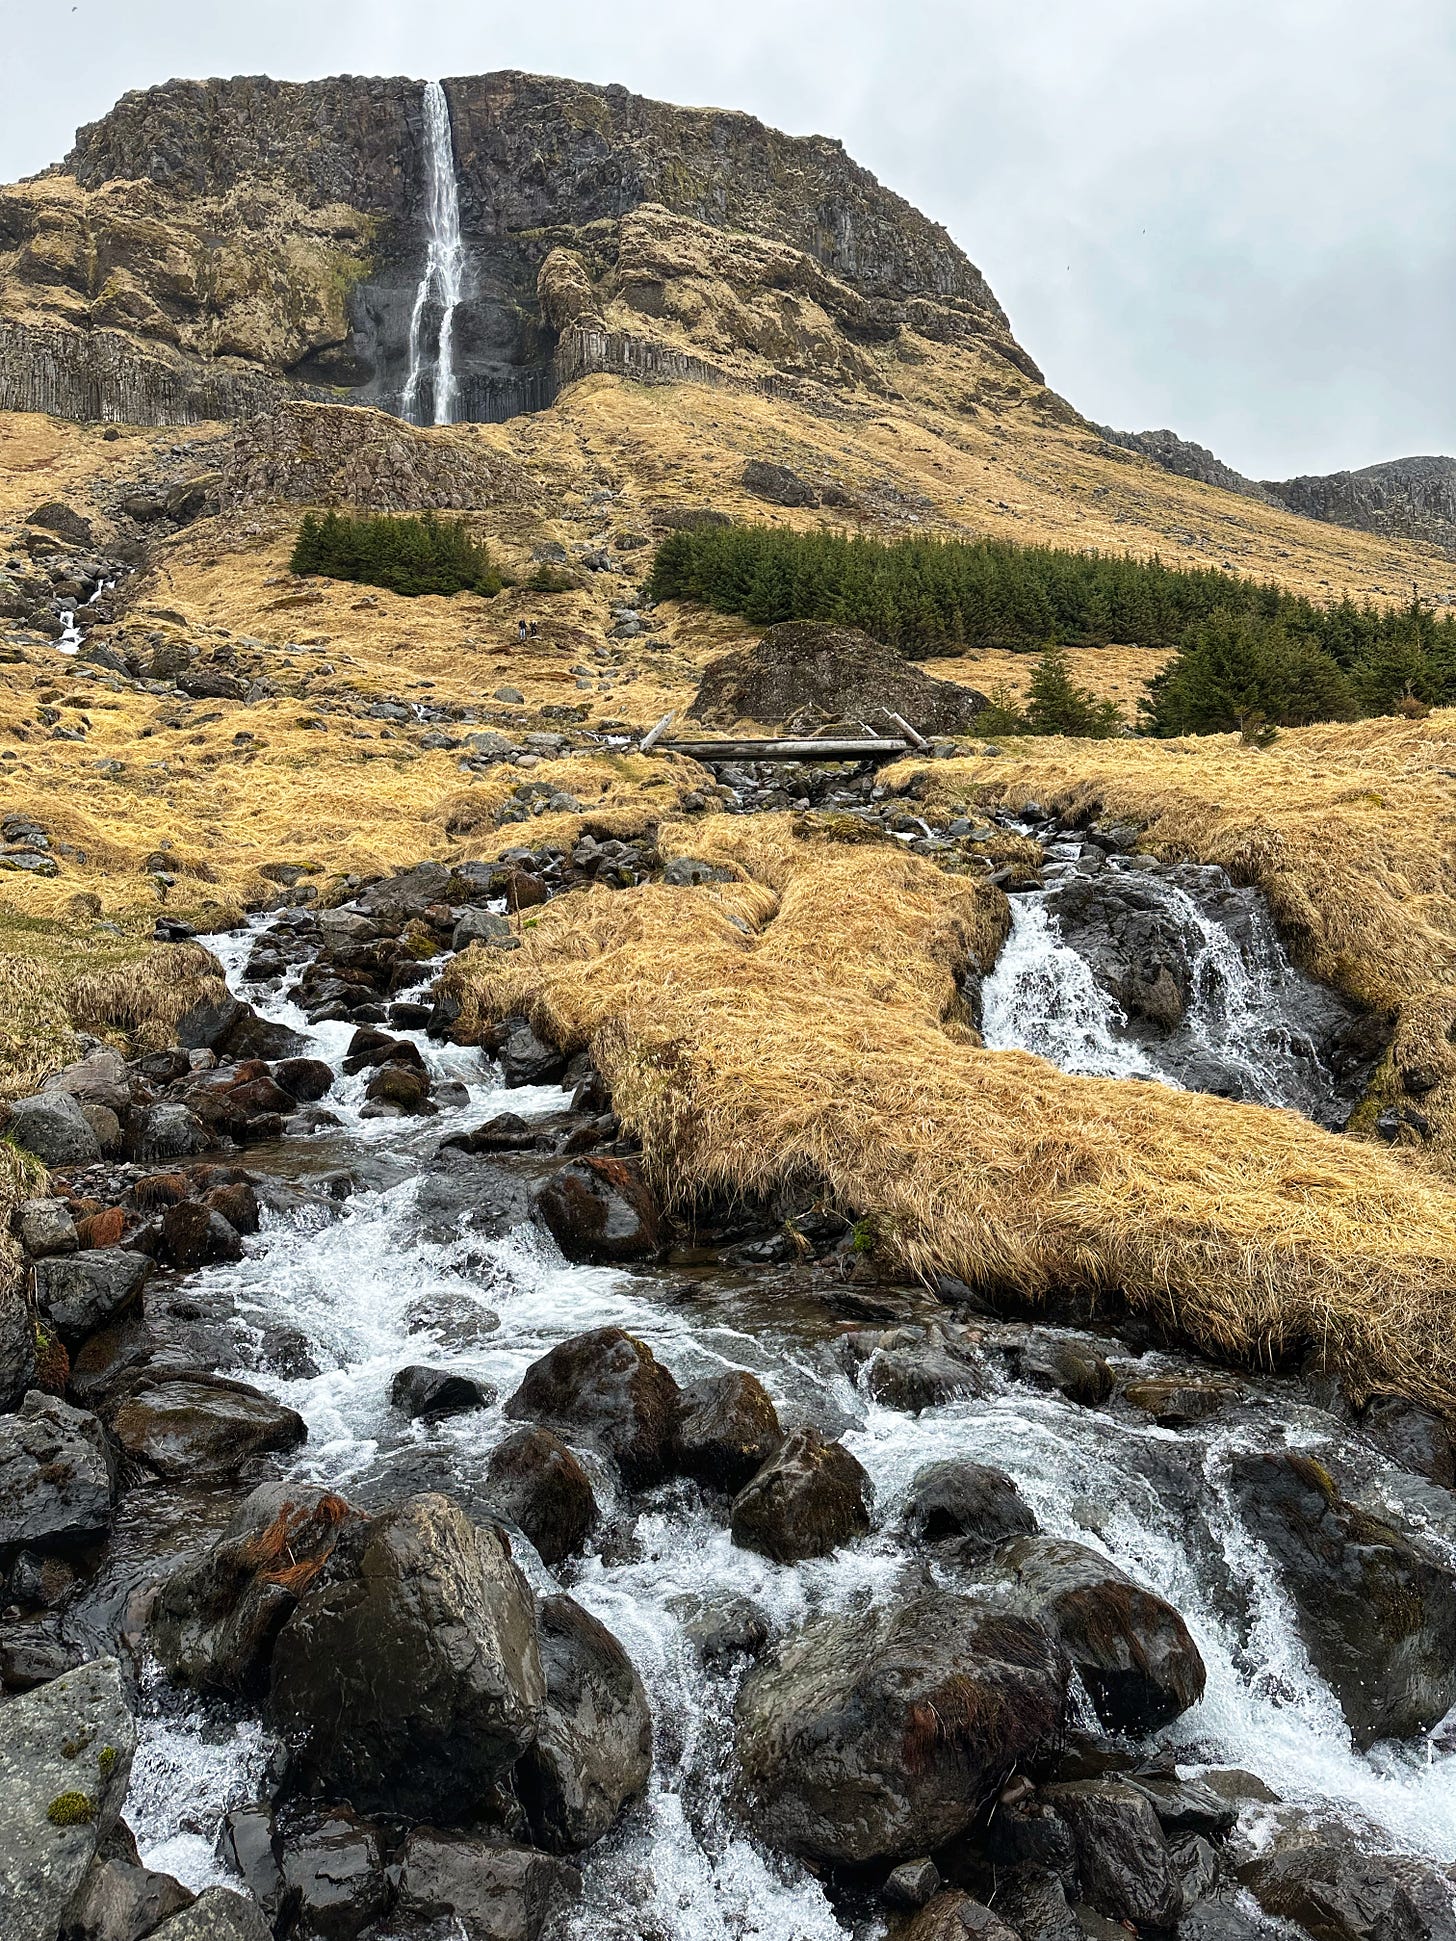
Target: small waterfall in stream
{"points": [[431, 390]]}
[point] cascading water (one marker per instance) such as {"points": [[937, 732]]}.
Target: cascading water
{"points": [[431, 385], [1043, 997], [382, 1284]]}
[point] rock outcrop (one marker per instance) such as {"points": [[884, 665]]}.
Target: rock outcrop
{"points": [[213, 248]]}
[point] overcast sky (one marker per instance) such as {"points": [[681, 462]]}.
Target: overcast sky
{"points": [[1234, 217]]}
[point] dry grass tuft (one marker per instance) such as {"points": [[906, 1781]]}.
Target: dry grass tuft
{"points": [[805, 1021]]}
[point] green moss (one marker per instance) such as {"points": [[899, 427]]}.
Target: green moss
{"points": [[106, 1760], [71, 1809]]}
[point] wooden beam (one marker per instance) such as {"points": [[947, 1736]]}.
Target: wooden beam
{"points": [[871, 750]]}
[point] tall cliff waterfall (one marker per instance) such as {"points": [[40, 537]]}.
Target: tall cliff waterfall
{"points": [[431, 391]]}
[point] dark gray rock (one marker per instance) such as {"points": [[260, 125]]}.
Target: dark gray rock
{"points": [[593, 1749], [524, 1060], [18, 1343], [913, 1883], [727, 1430], [44, 1227], [409, 1678], [810, 1497], [200, 1428], [53, 1127], [879, 1735], [121, 1901], [954, 1916], [1132, 1650], [776, 484], [1070, 1367], [215, 1620], [79, 1294], [170, 1131], [608, 1387], [493, 1891], [535, 1482], [479, 926], [956, 1498], [1376, 1607], [65, 1759], [1325, 1885], [217, 1914], [1126, 1868], [425, 1393], [914, 1368], [600, 1209], [55, 1477], [333, 1873]]}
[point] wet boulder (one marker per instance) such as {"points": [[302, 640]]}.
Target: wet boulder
{"points": [[65, 1758], [409, 1678], [200, 1428], [1417, 1439], [218, 1914], [1072, 1368], [425, 1394], [1180, 1401], [535, 1482], [810, 1497], [55, 1477], [44, 1227], [169, 1130], [727, 1430], [969, 1501], [461, 1190], [954, 1916], [593, 1749], [877, 1736], [123, 1901], [194, 1235], [1375, 1606], [215, 1620], [53, 1127], [488, 1889], [81, 1293], [332, 1871], [19, 1344], [915, 1368], [524, 1059], [306, 1080], [1318, 1879], [608, 1387], [1126, 1868], [600, 1209], [1131, 1649]]}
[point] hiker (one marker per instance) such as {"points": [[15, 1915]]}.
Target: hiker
{"points": [[534, 630], [520, 630]]}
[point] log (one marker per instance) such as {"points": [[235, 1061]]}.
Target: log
{"points": [[870, 750], [654, 734]]}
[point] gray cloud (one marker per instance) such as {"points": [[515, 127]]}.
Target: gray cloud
{"points": [[1230, 216]]}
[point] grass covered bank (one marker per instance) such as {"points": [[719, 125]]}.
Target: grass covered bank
{"points": [[804, 1020]]}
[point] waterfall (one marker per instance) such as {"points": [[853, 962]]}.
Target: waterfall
{"points": [[1042, 997], [440, 285]]}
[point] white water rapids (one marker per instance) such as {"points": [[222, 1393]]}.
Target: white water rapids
{"points": [[432, 320], [370, 1294]]}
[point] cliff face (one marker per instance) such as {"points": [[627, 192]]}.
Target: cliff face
{"points": [[1404, 498], [239, 241]]}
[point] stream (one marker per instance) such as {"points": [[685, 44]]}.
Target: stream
{"points": [[388, 1280]]}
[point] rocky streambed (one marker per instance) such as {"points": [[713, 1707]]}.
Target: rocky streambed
{"points": [[410, 1530]]}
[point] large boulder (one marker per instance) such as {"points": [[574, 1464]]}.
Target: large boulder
{"points": [[954, 1916], [1132, 1650], [218, 1914], [489, 1889], [1125, 1865], [200, 1428], [608, 1387], [1318, 1879], [810, 1497], [600, 1209], [959, 1499], [65, 1758], [409, 1678], [121, 1901], [55, 1477], [53, 1127], [534, 1481], [1375, 1606], [425, 1394], [525, 1059], [593, 1750], [215, 1620], [877, 1736], [833, 673], [914, 1368], [332, 1874], [727, 1430], [80, 1293], [44, 1227]]}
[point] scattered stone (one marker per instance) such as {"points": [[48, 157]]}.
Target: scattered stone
{"points": [[600, 1209], [810, 1497], [55, 1477], [728, 1429], [80, 1293], [967, 1500], [428, 1393]]}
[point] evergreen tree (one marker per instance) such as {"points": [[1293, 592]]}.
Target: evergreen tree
{"points": [[1055, 705]]}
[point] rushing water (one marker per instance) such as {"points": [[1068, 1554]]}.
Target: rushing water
{"points": [[377, 1287], [431, 384]]}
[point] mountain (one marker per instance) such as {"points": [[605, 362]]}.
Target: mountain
{"points": [[1406, 498], [210, 248]]}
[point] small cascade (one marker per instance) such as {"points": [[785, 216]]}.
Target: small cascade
{"points": [[1043, 997], [432, 389]]}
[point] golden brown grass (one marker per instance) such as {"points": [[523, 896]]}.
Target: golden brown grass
{"points": [[803, 1023]]}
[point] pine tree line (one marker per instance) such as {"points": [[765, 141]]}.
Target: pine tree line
{"points": [[1235, 637], [406, 555]]}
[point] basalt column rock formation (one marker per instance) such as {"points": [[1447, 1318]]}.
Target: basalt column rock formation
{"points": [[212, 248]]}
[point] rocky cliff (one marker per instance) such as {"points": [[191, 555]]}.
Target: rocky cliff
{"points": [[1404, 498], [211, 247]]}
